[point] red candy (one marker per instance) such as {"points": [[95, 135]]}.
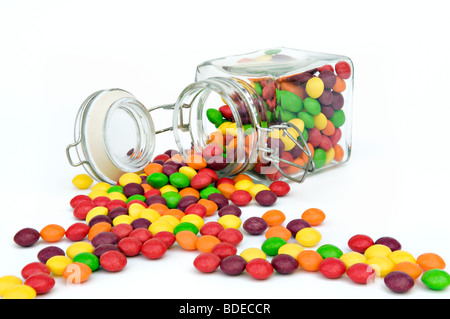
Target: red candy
{"points": [[141, 234], [280, 188], [77, 231], [207, 262], [166, 237], [78, 199], [113, 261], [241, 198], [210, 172], [361, 273], [196, 209], [101, 201], [343, 69], [130, 246], [224, 249], [200, 181], [226, 112], [360, 243], [115, 203], [211, 228], [332, 267], [230, 235], [122, 230], [154, 248], [40, 282], [34, 268], [259, 268], [82, 209]]}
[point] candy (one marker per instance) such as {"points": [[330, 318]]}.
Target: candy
{"points": [[241, 198], [308, 237], [122, 230], [76, 273], [280, 188], [266, 198], [89, 259], [34, 268], [360, 243], [314, 87], [390, 242], [130, 246], [113, 261], [48, 252], [104, 238], [206, 243], [186, 226], [219, 199], [297, 224], [77, 231], [252, 253], [184, 202], [129, 178], [26, 237], [436, 279], [196, 209], [207, 262], [201, 181], [172, 199], [332, 268], [398, 281], [211, 206], [82, 181], [259, 268], [154, 248], [140, 223], [157, 180], [338, 118], [352, 258], [211, 228], [271, 245], [343, 69], [7, 282], [429, 261], [377, 250], [381, 264], [255, 225], [99, 219], [79, 199], [132, 189], [96, 211], [57, 264], [204, 193], [224, 249], [291, 249], [79, 247], [100, 250], [319, 158], [278, 231], [399, 255], [361, 273], [230, 235], [274, 217], [284, 264], [230, 210], [99, 228], [233, 265], [255, 189], [179, 180], [230, 221], [410, 268], [314, 216], [327, 251], [166, 237], [187, 240], [20, 292], [41, 283]]}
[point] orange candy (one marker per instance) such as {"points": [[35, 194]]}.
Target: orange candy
{"points": [[314, 216], [178, 214], [52, 233], [241, 177], [304, 157], [187, 240], [429, 261], [338, 153], [278, 231], [160, 208], [309, 260], [195, 161], [226, 189], [77, 272], [189, 191], [274, 217], [153, 168], [211, 207], [98, 228], [206, 243], [290, 170], [340, 85], [410, 268], [329, 129]]}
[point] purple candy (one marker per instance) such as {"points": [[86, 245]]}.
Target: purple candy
{"points": [[233, 265], [328, 111], [26, 237], [49, 252], [184, 202], [219, 199], [266, 198], [230, 210], [141, 223], [156, 199], [99, 219], [117, 212], [133, 189], [255, 225], [105, 237], [338, 101], [390, 242], [326, 98], [297, 224], [399, 281], [169, 169], [328, 78], [284, 264], [100, 250]]}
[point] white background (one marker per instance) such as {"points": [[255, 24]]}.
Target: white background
{"points": [[53, 54]]}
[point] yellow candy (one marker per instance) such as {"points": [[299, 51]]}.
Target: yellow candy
{"points": [[244, 185], [79, 247], [117, 195], [172, 220], [168, 188], [329, 155], [128, 178], [149, 214], [82, 181], [299, 124], [382, 265], [291, 249], [135, 210], [231, 129], [263, 58], [399, 256], [122, 219], [230, 221], [102, 186], [57, 264], [352, 258], [20, 292], [308, 237], [7, 282], [377, 250], [255, 189], [98, 193], [194, 219], [289, 143], [276, 133], [314, 87], [320, 121], [252, 253], [96, 211], [188, 171], [159, 226], [223, 127]]}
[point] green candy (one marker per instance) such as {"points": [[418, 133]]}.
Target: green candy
{"points": [[204, 193], [172, 199], [88, 259], [136, 197], [115, 189], [214, 116], [312, 106], [272, 51], [271, 245], [157, 180], [338, 118], [258, 88], [307, 119], [319, 158], [185, 226], [436, 279], [289, 101], [179, 180], [327, 251], [286, 116]]}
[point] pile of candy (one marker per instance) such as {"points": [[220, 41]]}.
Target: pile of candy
{"points": [[169, 205]]}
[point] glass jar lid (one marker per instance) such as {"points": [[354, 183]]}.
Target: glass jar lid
{"points": [[114, 134]]}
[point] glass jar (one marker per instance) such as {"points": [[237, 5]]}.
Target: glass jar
{"points": [[273, 114]]}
